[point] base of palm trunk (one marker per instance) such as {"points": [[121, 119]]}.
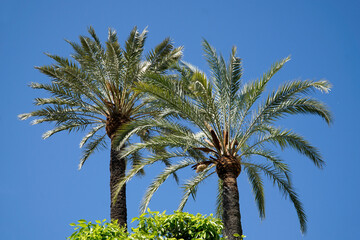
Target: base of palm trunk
{"points": [[231, 209], [118, 210]]}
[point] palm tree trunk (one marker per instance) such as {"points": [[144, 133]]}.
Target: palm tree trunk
{"points": [[231, 208], [118, 210]]}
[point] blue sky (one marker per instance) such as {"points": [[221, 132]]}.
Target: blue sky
{"points": [[41, 190]]}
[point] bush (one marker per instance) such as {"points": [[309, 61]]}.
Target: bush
{"points": [[153, 225], [99, 231], [180, 225]]}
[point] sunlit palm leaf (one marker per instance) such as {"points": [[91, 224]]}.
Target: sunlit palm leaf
{"points": [[190, 187], [154, 186]]}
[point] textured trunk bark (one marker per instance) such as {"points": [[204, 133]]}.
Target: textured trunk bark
{"points": [[231, 208], [118, 210]]}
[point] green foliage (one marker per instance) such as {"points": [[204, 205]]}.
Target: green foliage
{"points": [[241, 237], [99, 231], [180, 225], [153, 225]]}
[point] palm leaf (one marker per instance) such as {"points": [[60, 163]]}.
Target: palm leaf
{"points": [[154, 186], [286, 188], [190, 187], [287, 138], [257, 188], [219, 200], [96, 143]]}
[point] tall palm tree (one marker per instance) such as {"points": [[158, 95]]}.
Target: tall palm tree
{"points": [[235, 126], [94, 92]]}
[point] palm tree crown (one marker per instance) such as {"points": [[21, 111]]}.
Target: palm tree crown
{"points": [[235, 124], [94, 90]]}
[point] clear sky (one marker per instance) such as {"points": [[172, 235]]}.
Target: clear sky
{"points": [[41, 190]]}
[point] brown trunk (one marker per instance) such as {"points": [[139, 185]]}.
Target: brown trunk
{"points": [[228, 169], [118, 210], [231, 208]]}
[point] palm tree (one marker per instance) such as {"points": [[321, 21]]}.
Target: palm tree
{"points": [[235, 126], [94, 92]]}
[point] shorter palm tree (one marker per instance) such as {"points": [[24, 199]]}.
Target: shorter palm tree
{"points": [[94, 92], [234, 133]]}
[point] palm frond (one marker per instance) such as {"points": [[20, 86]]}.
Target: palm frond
{"points": [[286, 101], [145, 135], [217, 67], [60, 115], [286, 189], [172, 95], [155, 125], [139, 167], [135, 159], [257, 188], [269, 155], [91, 134], [73, 126], [235, 72], [232, 88], [134, 47], [71, 79], [92, 32], [96, 143], [64, 96], [167, 163], [163, 56], [287, 138], [219, 199], [190, 187], [251, 92], [156, 183]]}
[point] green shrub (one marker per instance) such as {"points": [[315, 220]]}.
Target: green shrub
{"points": [[180, 225], [99, 231], [153, 225]]}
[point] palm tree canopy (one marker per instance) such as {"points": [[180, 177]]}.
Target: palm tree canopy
{"points": [[94, 90], [233, 121]]}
